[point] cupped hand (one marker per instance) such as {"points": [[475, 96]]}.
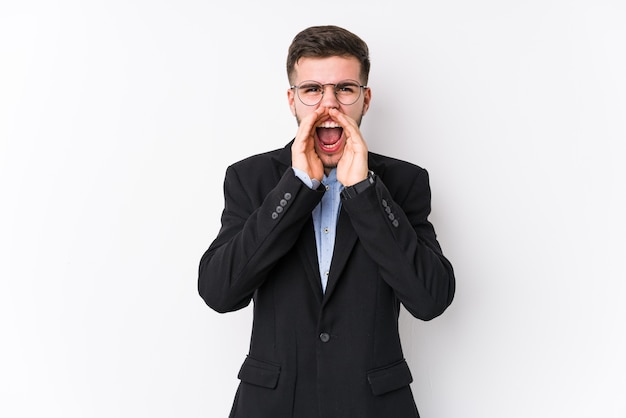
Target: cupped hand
{"points": [[303, 154], [352, 167]]}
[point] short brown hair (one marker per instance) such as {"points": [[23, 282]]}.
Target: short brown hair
{"points": [[328, 41]]}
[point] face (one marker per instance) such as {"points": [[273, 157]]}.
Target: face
{"points": [[329, 139]]}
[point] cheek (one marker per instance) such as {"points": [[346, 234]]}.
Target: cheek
{"points": [[364, 111], [290, 101], [301, 111], [357, 114]]}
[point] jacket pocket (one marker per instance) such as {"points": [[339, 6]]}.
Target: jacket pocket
{"points": [[259, 373], [389, 378]]}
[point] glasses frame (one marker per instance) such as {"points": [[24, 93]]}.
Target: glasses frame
{"points": [[323, 85]]}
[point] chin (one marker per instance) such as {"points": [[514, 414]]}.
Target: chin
{"points": [[329, 163]]}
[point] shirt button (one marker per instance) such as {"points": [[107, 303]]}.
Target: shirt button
{"points": [[324, 337], [327, 187], [326, 230]]}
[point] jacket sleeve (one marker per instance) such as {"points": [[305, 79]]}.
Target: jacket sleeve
{"points": [[258, 228], [396, 233]]}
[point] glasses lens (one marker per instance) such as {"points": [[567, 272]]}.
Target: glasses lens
{"points": [[347, 92], [310, 92]]}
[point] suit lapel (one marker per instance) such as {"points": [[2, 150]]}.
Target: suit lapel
{"points": [[308, 253], [345, 239]]}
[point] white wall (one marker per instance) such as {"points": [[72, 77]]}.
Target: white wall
{"points": [[118, 119]]}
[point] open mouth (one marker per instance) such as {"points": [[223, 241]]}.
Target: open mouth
{"points": [[329, 136]]}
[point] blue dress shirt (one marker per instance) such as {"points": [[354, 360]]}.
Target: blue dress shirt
{"points": [[325, 217]]}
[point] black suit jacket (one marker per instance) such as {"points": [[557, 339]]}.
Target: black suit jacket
{"points": [[335, 354]]}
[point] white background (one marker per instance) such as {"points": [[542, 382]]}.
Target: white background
{"points": [[119, 117]]}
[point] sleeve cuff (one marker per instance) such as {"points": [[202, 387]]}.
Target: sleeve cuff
{"points": [[311, 183]]}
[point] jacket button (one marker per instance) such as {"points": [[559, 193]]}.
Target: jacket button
{"points": [[324, 337]]}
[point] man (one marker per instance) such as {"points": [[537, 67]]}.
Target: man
{"points": [[328, 240]]}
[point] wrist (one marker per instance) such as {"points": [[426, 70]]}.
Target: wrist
{"points": [[351, 191]]}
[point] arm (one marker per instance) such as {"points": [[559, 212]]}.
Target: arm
{"points": [[254, 234], [253, 237], [398, 236]]}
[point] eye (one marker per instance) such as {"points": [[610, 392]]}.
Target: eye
{"points": [[347, 87], [310, 88]]}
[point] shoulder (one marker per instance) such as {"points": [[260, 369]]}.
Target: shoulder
{"points": [[256, 159], [277, 160], [260, 172], [403, 179], [394, 166]]}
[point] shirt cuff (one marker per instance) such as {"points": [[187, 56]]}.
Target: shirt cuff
{"points": [[311, 183]]}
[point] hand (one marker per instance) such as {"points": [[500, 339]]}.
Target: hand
{"points": [[352, 167], [303, 155]]}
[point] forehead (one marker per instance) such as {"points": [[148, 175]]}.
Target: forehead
{"points": [[327, 70]]}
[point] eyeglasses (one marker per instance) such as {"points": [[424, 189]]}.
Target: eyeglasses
{"points": [[347, 92]]}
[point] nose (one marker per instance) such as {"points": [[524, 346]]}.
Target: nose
{"points": [[329, 99]]}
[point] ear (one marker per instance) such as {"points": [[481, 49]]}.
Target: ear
{"points": [[367, 97], [291, 99]]}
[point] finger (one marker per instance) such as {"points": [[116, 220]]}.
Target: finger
{"points": [[309, 122], [350, 127], [341, 118], [347, 123]]}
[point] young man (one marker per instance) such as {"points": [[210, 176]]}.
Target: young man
{"points": [[328, 240]]}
